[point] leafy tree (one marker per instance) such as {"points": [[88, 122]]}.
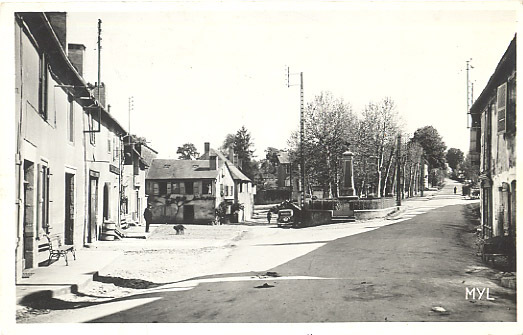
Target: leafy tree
{"points": [[433, 146], [376, 143], [433, 150], [187, 151], [454, 158], [328, 124], [241, 143]]}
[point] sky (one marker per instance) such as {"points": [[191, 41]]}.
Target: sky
{"points": [[198, 72]]}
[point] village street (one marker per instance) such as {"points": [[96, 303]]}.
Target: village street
{"points": [[414, 267]]}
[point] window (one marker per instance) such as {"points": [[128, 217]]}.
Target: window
{"points": [[70, 121], [226, 190], [189, 187], [511, 105], [221, 189], [182, 188], [196, 187], [501, 105], [241, 187], [163, 188], [43, 86], [175, 188], [156, 190], [109, 143], [92, 126], [206, 187], [169, 188]]}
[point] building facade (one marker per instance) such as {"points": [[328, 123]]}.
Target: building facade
{"points": [[189, 191], [138, 157], [493, 147], [67, 174]]}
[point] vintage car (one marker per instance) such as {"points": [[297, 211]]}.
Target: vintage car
{"points": [[285, 217]]}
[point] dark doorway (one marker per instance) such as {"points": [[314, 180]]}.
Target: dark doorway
{"points": [[188, 213], [93, 209], [106, 201], [28, 240], [69, 209]]}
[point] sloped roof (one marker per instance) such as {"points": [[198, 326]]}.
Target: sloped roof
{"points": [[235, 172], [180, 169], [283, 157]]}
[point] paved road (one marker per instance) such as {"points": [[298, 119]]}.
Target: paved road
{"points": [[398, 272]]}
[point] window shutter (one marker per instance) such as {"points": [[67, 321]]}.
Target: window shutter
{"points": [[501, 106]]}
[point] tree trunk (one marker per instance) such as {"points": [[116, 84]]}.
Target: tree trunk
{"points": [[387, 172]]}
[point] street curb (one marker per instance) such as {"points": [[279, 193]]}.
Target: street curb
{"points": [[56, 292], [45, 291]]}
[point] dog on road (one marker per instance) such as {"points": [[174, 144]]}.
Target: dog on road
{"points": [[180, 229]]}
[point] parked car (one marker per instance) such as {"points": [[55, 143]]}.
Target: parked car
{"points": [[285, 217]]}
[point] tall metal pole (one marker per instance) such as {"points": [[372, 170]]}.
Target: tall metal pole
{"points": [[469, 91], [398, 172], [302, 143], [99, 53]]}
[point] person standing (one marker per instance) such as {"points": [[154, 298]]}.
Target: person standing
{"points": [[455, 189], [148, 216], [269, 216]]}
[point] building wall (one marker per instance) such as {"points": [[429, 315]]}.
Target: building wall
{"points": [[245, 196], [498, 164], [44, 143], [102, 161]]}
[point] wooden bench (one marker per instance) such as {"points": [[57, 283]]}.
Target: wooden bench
{"points": [[57, 249]]}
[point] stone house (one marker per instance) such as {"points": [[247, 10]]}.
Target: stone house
{"points": [[493, 147], [138, 156], [67, 174], [189, 191]]}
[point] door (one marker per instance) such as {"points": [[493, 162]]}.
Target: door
{"points": [[93, 209], [69, 208], [28, 241]]}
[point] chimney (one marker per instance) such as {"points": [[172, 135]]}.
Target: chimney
{"points": [[207, 147], [212, 162], [231, 155], [76, 56], [103, 92], [58, 21]]}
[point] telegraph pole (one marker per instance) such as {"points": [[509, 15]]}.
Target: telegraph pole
{"points": [[398, 172], [302, 136], [99, 56], [469, 91]]}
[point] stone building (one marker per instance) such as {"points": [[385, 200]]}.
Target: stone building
{"points": [[67, 166], [189, 191], [493, 147]]}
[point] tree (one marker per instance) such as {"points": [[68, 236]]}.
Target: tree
{"points": [[241, 143], [375, 144], [454, 158], [433, 150], [187, 151], [328, 122]]}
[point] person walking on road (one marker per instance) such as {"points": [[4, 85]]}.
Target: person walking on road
{"points": [[455, 189], [269, 216], [148, 216]]}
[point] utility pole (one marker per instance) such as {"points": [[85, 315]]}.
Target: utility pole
{"points": [[99, 56], [469, 91], [398, 172], [302, 136]]}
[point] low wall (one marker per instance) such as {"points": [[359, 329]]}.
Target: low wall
{"points": [[316, 218], [367, 214], [365, 204]]}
